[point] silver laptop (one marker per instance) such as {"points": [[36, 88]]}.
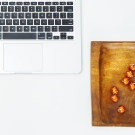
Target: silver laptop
{"points": [[40, 36]]}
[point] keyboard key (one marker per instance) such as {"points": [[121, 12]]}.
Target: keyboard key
{"points": [[23, 22], [19, 3], [5, 28], [35, 15], [16, 22], [69, 15], [49, 35], [3, 8], [17, 8], [10, 8], [21, 15], [45, 8], [19, 28], [38, 8], [48, 15], [68, 8], [62, 3], [50, 22], [26, 3], [11, 3], [67, 22], [33, 28], [47, 28], [56, 37], [1, 15], [55, 3], [40, 3], [26, 28], [40, 28], [57, 22], [63, 35], [59, 8], [54, 28], [52, 8], [33, 3], [4, 3], [24, 8], [37, 22], [29, 22], [69, 3], [47, 3], [2, 22], [62, 15], [42, 15], [9, 22], [41, 35], [7, 15], [19, 35], [14, 15], [55, 15], [31, 8], [70, 37], [0, 3], [43, 22], [65, 28], [12, 28], [28, 15]]}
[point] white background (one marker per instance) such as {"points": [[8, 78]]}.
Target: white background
{"points": [[57, 104]]}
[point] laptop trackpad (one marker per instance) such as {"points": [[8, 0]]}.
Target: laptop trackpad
{"points": [[23, 57]]}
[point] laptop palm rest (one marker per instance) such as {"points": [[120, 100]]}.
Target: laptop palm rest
{"points": [[23, 58]]}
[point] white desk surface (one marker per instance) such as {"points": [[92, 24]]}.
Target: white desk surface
{"points": [[60, 104]]}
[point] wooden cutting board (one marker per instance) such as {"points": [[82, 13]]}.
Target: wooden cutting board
{"points": [[109, 64]]}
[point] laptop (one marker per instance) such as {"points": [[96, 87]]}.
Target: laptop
{"points": [[40, 36]]}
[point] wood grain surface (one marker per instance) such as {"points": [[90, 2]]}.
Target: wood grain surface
{"points": [[109, 64]]}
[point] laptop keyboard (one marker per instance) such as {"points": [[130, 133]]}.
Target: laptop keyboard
{"points": [[37, 20]]}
